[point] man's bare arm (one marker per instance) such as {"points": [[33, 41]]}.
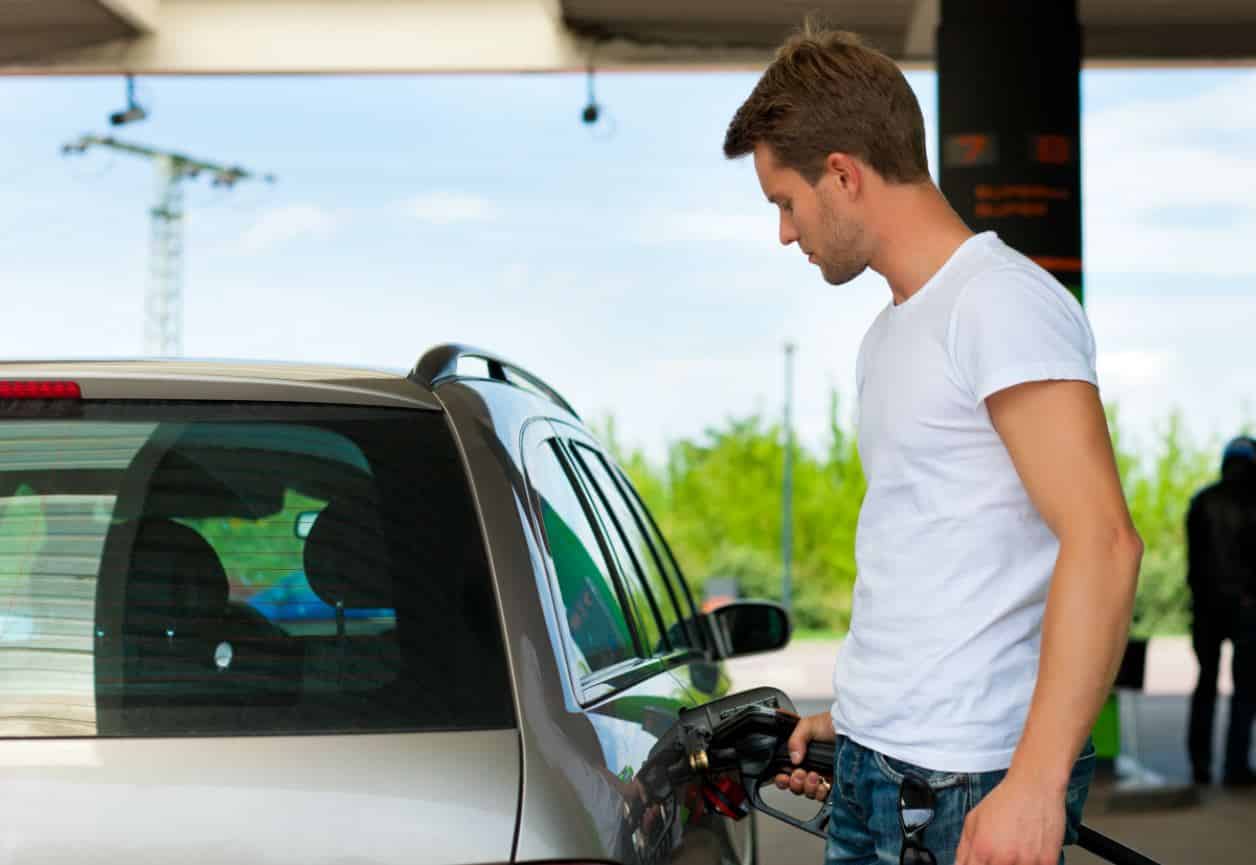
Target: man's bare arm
{"points": [[1057, 436]]}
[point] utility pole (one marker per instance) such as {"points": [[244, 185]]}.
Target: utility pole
{"points": [[163, 304], [787, 499]]}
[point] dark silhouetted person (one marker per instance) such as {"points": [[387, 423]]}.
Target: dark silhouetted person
{"points": [[1221, 553]]}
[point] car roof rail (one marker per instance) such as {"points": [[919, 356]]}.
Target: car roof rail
{"points": [[440, 364]]}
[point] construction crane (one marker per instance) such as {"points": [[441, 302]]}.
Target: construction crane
{"points": [[163, 305]]}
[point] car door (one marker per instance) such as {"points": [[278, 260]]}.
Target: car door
{"points": [[622, 638]]}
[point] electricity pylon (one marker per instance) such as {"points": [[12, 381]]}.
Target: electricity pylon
{"points": [[163, 305]]}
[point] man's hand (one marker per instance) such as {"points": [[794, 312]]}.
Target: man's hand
{"points": [[813, 728], [1017, 824]]}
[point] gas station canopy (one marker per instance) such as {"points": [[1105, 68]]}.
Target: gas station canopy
{"points": [[364, 36]]}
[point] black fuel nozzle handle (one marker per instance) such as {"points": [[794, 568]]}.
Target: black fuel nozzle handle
{"points": [[749, 732], [819, 759]]}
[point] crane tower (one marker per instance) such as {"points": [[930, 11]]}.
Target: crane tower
{"points": [[163, 304]]}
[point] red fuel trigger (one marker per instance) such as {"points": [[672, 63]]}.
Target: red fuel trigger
{"points": [[727, 797]]}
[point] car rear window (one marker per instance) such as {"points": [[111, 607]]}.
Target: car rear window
{"points": [[182, 569]]}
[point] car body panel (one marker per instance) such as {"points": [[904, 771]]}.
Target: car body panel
{"points": [[549, 717], [221, 380], [376, 799]]}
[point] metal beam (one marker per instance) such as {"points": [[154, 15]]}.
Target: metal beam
{"points": [[32, 30], [215, 37], [140, 14], [316, 36], [922, 30]]}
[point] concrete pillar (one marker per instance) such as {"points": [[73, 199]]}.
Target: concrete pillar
{"points": [[1009, 116]]}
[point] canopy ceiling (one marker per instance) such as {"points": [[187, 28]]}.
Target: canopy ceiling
{"points": [[313, 36]]}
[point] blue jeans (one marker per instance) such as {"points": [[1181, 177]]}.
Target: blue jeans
{"points": [[864, 827]]}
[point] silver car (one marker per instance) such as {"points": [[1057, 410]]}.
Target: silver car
{"points": [[300, 614]]}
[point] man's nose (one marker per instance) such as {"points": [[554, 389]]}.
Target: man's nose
{"points": [[788, 233]]}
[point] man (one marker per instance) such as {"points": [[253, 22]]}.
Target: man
{"points": [[1221, 562], [996, 557]]}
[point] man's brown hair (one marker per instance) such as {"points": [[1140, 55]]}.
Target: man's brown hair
{"points": [[826, 92]]}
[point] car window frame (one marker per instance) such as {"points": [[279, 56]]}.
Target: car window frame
{"points": [[586, 687], [594, 687], [668, 564], [632, 505], [631, 570], [677, 657]]}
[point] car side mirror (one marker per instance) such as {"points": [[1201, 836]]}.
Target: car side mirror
{"points": [[747, 627]]}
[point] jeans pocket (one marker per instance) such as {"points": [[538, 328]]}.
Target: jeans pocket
{"points": [[894, 770], [1088, 751], [1078, 791]]}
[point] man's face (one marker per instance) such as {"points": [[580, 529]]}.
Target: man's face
{"points": [[812, 217]]}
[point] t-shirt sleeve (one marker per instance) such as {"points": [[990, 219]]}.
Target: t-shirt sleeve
{"points": [[1009, 327]]}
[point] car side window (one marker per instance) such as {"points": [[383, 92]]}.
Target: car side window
{"points": [[597, 631], [636, 555], [675, 582]]}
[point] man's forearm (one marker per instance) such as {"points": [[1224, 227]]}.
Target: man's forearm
{"points": [[1084, 633]]}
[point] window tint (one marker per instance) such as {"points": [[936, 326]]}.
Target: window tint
{"points": [[200, 569], [597, 633], [688, 634], [264, 561], [649, 596]]}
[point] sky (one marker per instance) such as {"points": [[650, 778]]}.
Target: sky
{"points": [[630, 264]]}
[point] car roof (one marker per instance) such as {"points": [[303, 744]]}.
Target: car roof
{"points": [[228, 380]]}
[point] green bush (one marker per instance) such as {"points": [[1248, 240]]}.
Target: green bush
{"points": [[1159, 488]]}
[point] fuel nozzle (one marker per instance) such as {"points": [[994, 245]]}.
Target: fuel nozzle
{"points": [[699, 762], [730, 749]]}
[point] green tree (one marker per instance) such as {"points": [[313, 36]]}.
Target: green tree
{"points": [[1159, 488], [718, 500]]}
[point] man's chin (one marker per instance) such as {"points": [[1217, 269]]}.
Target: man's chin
{"points": [[843, 276]]}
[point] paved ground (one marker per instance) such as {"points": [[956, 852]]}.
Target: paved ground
{"points": [[1221, 830]]}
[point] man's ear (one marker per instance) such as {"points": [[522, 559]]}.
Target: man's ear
{"points": [[845, 172]]}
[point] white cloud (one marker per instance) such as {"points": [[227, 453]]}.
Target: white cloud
{"points": [[1122, 369], [1190, 352], [731, 363], [1164, 119], [709, 225], [278, 225], [448, 208], [1164, 158]]}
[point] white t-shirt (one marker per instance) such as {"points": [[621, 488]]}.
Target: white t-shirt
{"points": [[953, 559]]}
